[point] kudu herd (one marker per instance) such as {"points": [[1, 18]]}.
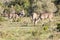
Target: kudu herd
{"points": [[35, 16]]}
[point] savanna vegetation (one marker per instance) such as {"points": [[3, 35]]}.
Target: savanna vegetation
{"points": [[15, 26]]}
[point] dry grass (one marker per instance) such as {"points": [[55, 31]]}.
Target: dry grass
{"points": [[25, 30]]}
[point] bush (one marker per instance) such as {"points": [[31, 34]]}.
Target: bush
{"points": [[18, 8]]}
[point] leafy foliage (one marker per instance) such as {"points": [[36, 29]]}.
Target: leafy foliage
{"points": [[33, 5], [44, 5]]}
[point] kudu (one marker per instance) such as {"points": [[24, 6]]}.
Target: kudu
{"points": [[13, 13], [36, 17]]}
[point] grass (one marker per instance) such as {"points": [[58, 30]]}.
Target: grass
{"points": [[17, 33], [25, 30]]}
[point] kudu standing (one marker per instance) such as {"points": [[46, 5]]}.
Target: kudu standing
{"points": [[36, 17]]}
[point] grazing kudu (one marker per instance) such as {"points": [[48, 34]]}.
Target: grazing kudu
{"points": [[13, 15]]}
